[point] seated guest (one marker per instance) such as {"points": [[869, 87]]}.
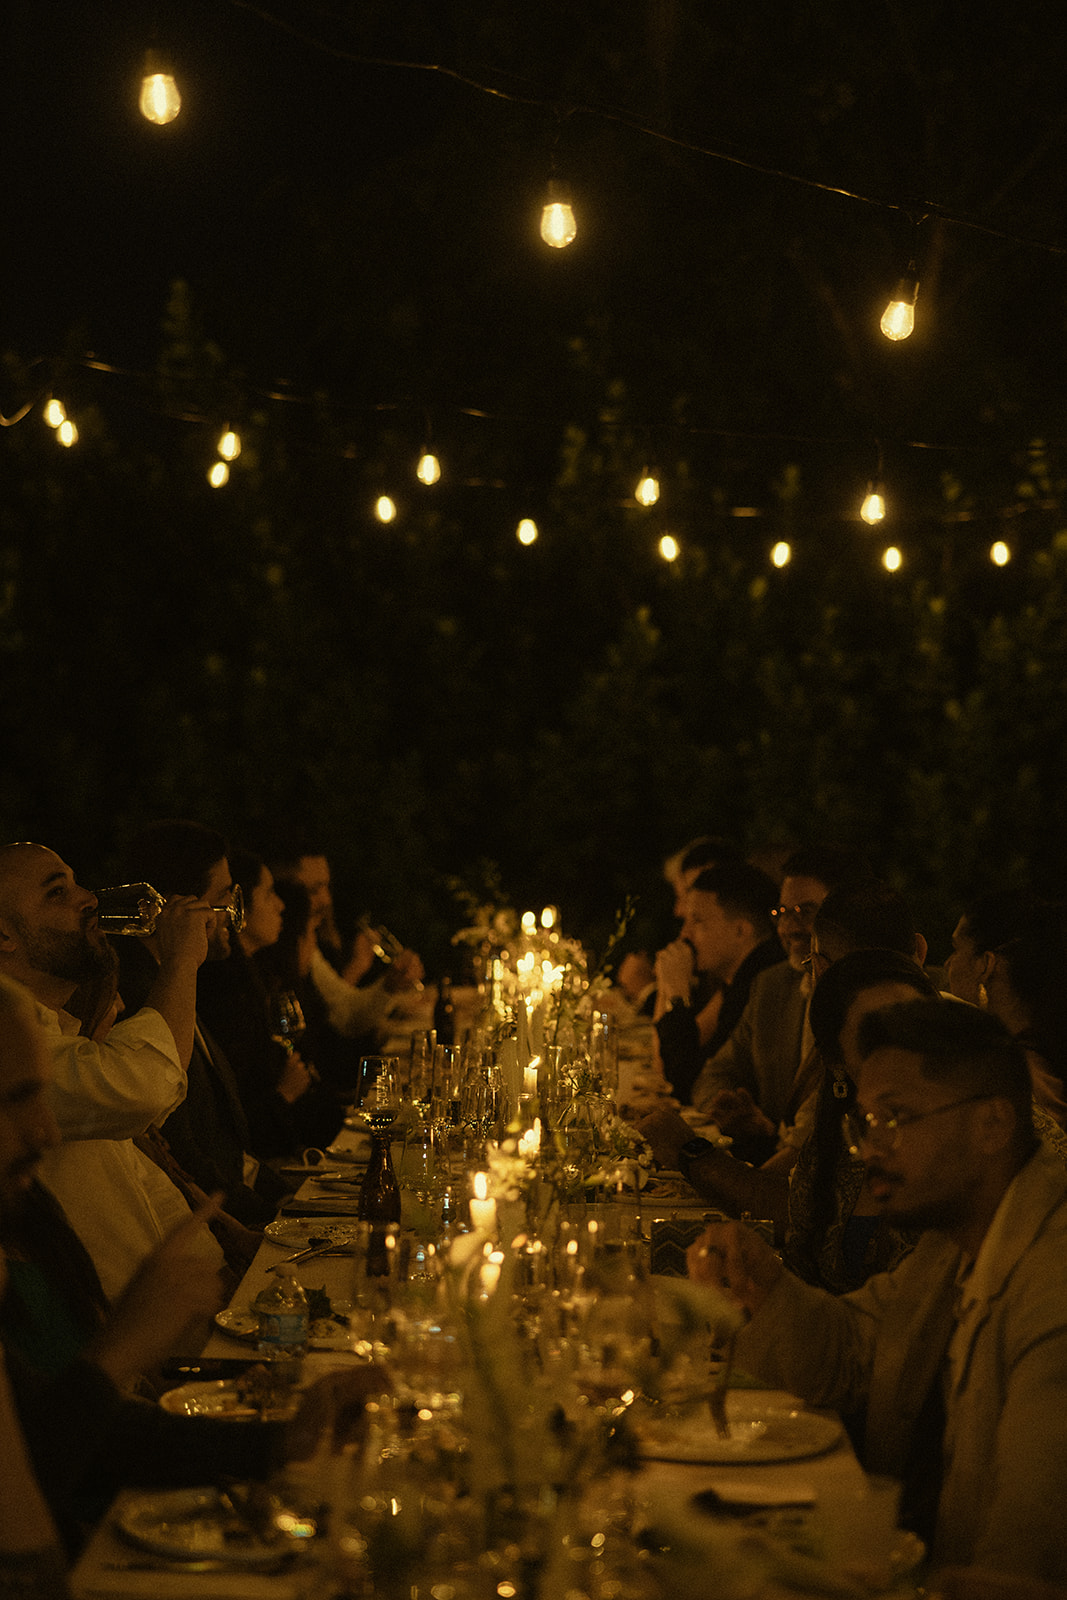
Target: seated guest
{"points": [[208, 1133], [757, 1065], [1009, 952], [104, 1092], [727, 933], [285, 1103], [958, 1356], [681, 872], [85, 1436], [358, 999]]}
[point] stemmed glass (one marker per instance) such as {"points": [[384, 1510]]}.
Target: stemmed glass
{"points": [[287, 1018]]}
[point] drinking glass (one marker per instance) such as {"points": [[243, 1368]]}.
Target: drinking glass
{"points": [[379, 1092], [128, 908], [287, 1023]]}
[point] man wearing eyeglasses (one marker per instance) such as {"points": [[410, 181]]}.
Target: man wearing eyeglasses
{"points": [[958, 1356]]}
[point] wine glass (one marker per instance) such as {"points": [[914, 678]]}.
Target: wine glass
{"points": [[379, 1100], [287, 1018]]}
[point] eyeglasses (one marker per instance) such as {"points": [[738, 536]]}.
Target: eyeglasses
{"points": [[884, 1132], [803, 912]]}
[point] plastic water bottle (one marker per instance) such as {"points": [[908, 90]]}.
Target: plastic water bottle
{"points": [[282, 1309]]}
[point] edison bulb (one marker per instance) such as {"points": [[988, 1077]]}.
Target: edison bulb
{"points": [[55, 413], [782, 554], [526, 533], [429, 468], [1000, 554], [891, 559], [898, 318], [219, 475], [558, 227], [873, 508], [67, 433], [647, 491], [229, 445], [160, 100], [385, 509], [669, 548]]}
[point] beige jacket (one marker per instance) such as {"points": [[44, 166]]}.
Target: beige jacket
{"points": [[1004, 1494]]}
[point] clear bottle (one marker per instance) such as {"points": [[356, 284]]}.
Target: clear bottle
{"points": [[282, 1308]]}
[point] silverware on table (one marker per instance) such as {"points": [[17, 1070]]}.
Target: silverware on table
{"points": [[717, 1397]]}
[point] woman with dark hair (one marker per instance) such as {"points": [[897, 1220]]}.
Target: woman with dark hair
{"points": [[1009, 953], [285, 1104]]}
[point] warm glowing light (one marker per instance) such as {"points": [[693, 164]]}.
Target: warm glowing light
{"points": [[898, 318], [529, 924], [782, 554], [229, 445], [669, 548], [549, 917], [219, 474], [55, 413], [647, 491], [429, 468], [160, 101], [891, 559], [527, 531], [67, 433], [1000, 554], [873, 508], [385, 509], [558, 226]]}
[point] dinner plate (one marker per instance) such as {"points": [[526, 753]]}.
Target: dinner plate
{"points": [[190, 1524], [325, 1333], [297, 1233], [223, 1398], [762, 1432]]}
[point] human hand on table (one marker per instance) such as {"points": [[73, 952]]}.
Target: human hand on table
{"points": [[666, 1132], [735, 1259]]}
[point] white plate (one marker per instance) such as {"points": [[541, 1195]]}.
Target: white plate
{"points": [[296, 1233], [325, 1333], [190, 1524], [762, 1432], [221, 1398]]}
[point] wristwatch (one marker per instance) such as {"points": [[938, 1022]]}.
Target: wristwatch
{"points": [[692, 1150]]}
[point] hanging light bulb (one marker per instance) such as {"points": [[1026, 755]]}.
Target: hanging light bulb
{"points": [[160, 101], [891, 559], [558, 226], [219, 475], [429, 468], [647, 491], [898, 318], [669, 548], [385, 509], [55, 413], [67, 433], [873, 508], [527, 531], [782, 554], [229, 445], [1000, 554]]}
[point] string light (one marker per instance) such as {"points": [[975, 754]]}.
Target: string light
{"points": [[669, 548], [527, 531], [160, 99], [782, 554], [1000, 554], [873, 508], [891, 559], [219, 475], [647, 491], [558, 227], [898, 318], [385, 509], [55, 413], [67, 433], [429, 468], [229, 445]]}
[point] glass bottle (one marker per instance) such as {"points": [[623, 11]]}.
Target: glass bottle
{"points": [[379, 1194], [444, 1013]]}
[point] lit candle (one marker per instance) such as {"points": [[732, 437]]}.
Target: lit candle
{"points": [[483, 1208], [529, 1077], [530, 1141], [490, 1273]]}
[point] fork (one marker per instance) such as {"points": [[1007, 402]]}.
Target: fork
{"points": [[717, 1397]]}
